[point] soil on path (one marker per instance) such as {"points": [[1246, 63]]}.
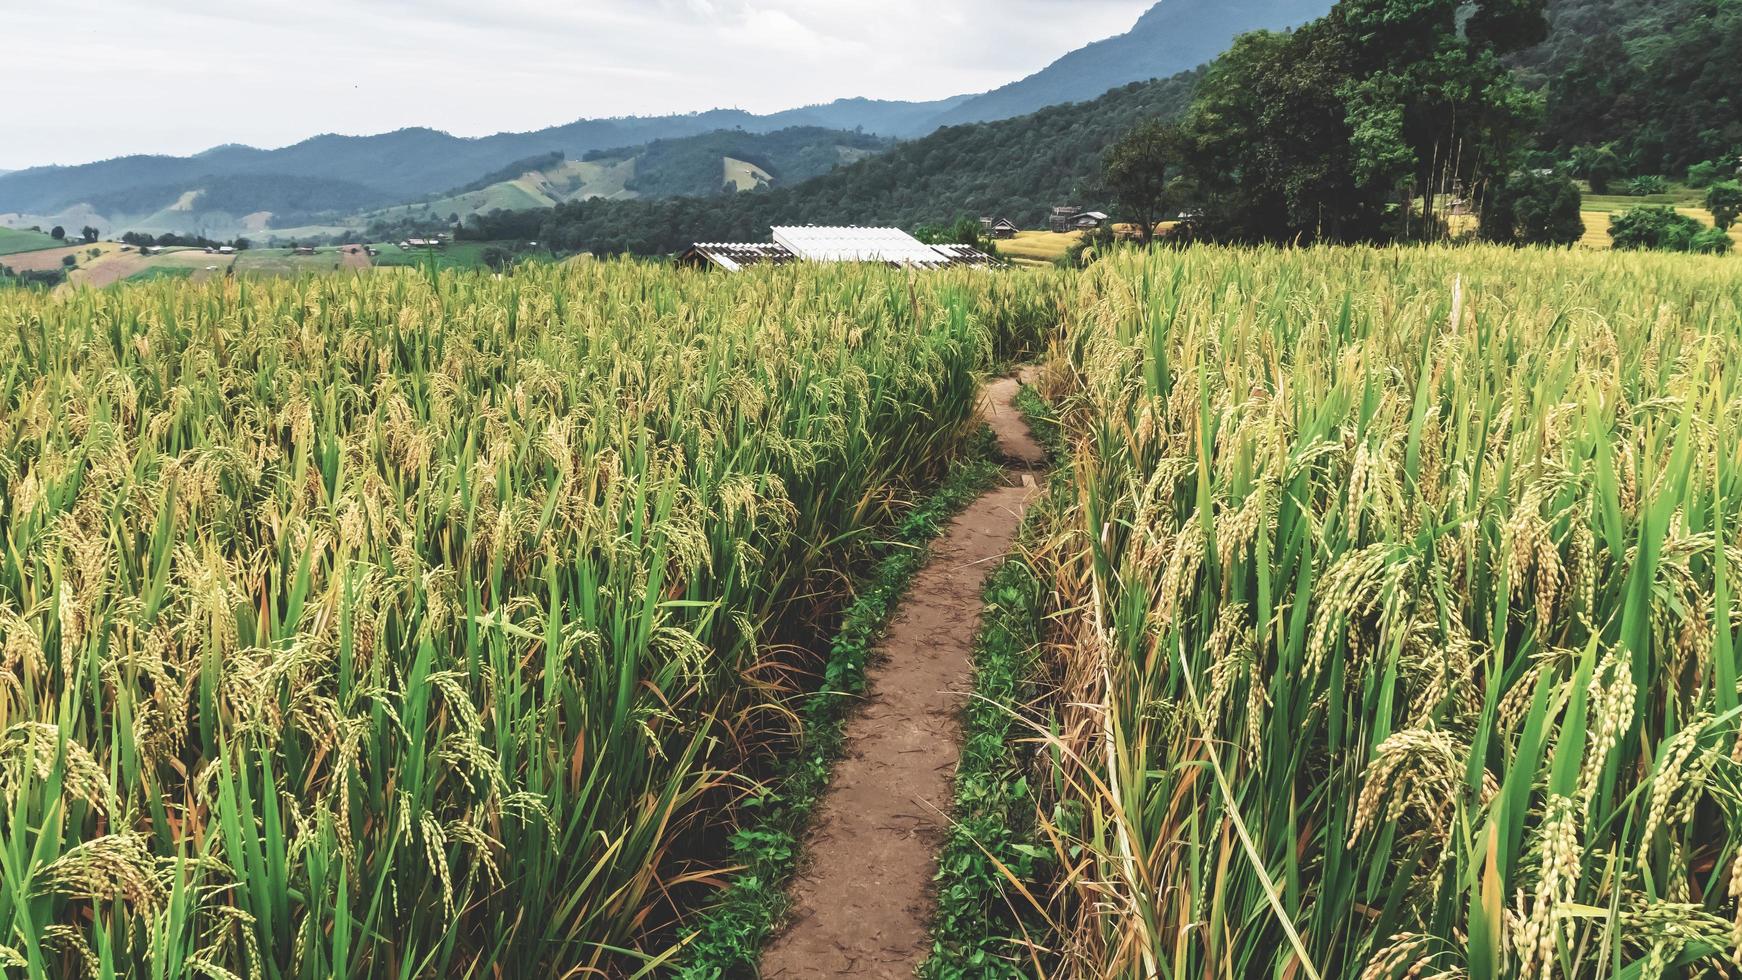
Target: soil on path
{"points": [[862, 902]]}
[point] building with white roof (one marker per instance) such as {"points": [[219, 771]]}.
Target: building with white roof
{"points": [[881, 246]]}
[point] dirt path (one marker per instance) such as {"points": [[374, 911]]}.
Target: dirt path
{"points": [[861, 903]]}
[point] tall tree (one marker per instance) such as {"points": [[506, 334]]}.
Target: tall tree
{"points": [[1724, 200], [1338, 130], [1141, 173]]}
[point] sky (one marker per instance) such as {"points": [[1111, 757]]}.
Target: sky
{"points": [[103, 78]]}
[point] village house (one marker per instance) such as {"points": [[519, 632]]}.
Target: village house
{"points": [[1064, 218], [999, 228]]}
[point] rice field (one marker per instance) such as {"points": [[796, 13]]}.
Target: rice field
{"points": [[1393, 618], [418, 626], [434, 623]]}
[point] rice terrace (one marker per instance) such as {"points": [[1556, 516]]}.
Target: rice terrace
{"points": [[1259, 496]]}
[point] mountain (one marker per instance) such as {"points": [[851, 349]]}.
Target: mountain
{"points": [[411, 163], [1171, 37], [1016, 168], [724, 161]]}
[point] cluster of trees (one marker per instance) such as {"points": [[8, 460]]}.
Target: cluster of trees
{"points": [[1362, 126], [172, 240], [1665, 229], [1018, 169]]}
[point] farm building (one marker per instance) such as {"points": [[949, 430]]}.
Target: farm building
{"points": [[733, 256], [886, 246], [1090, 220], [1001, 228], [1064, 218]]}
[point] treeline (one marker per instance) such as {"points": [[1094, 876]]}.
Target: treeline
{"points": [[1018, 168], [173, 240]]}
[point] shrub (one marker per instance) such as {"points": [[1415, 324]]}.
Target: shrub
{"points": [[1534, 209], [1659, 228], [1647, 185], [1712, 241]]}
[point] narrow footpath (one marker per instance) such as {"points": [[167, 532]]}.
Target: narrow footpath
{"points": [[863, 897]]}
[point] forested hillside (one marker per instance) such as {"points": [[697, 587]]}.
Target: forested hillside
{"points": [[1657, 78], [692, 166], [1017, 168]]}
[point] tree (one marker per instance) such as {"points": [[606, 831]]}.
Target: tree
{"points": [[1533, 208], [1142, 174], [89, 234], [497, 258], [69, 260], [1724, 200], [965, 231], [1703, 175], [1598, 165], [58, 233]]}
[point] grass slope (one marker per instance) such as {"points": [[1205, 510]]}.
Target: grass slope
{"points": [[14, 241]]}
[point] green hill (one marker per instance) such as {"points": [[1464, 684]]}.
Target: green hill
{"points": [[1016, 168]]}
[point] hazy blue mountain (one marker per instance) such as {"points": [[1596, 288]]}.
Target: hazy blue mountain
{"points": [[1173, 36], [411, 163]]}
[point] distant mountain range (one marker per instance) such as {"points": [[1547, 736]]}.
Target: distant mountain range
{"points": [[1171, 37], [262, 189]]}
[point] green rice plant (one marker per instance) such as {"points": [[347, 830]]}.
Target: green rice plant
{"points": [[1397, 595], [414, 625]]}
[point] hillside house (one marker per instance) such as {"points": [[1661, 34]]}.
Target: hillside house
{"points": [[227, 250], [1064, 218], [304, 250], [1000, 228], [1089, 220]]}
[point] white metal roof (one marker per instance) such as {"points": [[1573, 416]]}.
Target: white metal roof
{"points": [[852, 244]]}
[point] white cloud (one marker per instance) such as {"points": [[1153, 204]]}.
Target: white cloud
{"points": [[178, 76]]}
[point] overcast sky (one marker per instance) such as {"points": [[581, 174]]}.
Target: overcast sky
{"points": [[101, 78]]}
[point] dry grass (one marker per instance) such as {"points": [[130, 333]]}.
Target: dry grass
{"points": [[1037, 248]]}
